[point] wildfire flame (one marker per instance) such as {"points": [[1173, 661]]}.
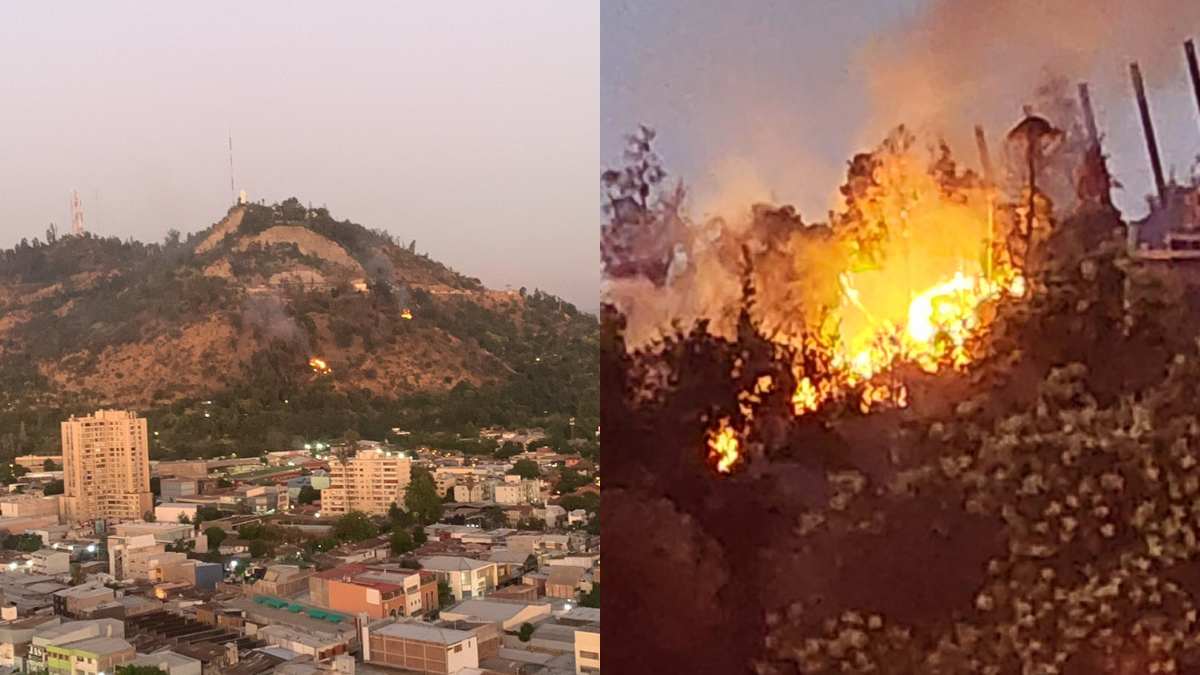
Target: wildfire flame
{"points": [[319, 366], [406, 314], [723, 447], [923, 259]]}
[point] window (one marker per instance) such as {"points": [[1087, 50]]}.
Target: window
{"points": [[457, 648]]}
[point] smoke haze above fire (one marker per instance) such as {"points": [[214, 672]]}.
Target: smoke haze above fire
{"points": [[771, 99]]}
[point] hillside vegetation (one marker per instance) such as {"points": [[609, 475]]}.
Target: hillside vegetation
{"points": [[212, 336]]}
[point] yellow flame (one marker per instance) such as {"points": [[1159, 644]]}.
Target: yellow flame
{"points": [[406, 314], [318, 365], [723, 447]]}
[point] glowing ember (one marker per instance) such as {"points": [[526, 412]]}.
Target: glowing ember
{"points": [[723, 447], [319, 366], [406, 314]]}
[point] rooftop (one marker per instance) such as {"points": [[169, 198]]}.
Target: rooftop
{"points": [[452, 563], [99, 645], [491, 610], [424, 633]]}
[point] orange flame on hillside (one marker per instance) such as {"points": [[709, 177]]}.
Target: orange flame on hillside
{"points": [[319, 366], [406, 314]]}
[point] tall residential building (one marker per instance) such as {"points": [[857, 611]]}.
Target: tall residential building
{"points": [[106, 467], [370, 482]]}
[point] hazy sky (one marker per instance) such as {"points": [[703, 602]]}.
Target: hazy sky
{"points": [[771, 99], [470, 127]]}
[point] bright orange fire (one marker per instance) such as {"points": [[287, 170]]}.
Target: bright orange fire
{"points": [[923, 264], [319, 366], [406, 314], [723, 450]]}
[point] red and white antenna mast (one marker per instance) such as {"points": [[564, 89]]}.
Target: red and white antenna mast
{"points": [[76, 214]]}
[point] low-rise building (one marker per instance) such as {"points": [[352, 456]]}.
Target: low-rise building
{"points": [[474, 490], [172, 512], [516, 490], [50, 561], [139, 556], [78, 601], [196, 573], [15, 636], [283, 580], [467, 577], [28, 506], [45, 646], [37, 462], [565, 581], [508, 614], [169, 662], [357, 589], [587, 650], [93, 655], [421, 648]]}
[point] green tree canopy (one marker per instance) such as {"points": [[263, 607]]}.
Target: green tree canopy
{"points": [[445, 595], [526, 632], [402, 542], [215, 536], [526, 468], [354, 526], [592, 598], [421, 499], [308, 494]]}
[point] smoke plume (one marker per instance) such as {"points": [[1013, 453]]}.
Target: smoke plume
{"points": [[967, 62], [268, 316]]}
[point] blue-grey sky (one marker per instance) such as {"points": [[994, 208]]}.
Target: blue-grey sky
{"points": [[470, 127], [769, 99]]}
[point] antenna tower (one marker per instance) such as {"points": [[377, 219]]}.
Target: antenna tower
{"points": [[232, 190], [76, 214]]}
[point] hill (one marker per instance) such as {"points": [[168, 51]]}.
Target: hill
{"points": [[277, 323]]}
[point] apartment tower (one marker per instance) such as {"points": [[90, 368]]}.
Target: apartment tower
{"points": [[106, 467], [370, 482]]}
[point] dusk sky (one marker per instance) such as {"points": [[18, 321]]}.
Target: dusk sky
{"points": [[473, 132], [769, 100]]}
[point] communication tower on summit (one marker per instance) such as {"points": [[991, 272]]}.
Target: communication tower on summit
{"points": [[76, 214]]}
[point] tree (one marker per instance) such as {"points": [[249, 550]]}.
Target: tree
{"points": [[261, 548], [54, 487], [402, 542], [418, 535], [421, 499], [592, 598], [49, 465], [26, 543], [570, 480], [354, 526], [139, 670], [526, 632], [149, 517], [184, 520], [445, 595], [308, 494], [224, 483], [531, 563], [508, 449], [207, 513], [215, 536], [9, 473], [493, 517], [525, 468]]}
